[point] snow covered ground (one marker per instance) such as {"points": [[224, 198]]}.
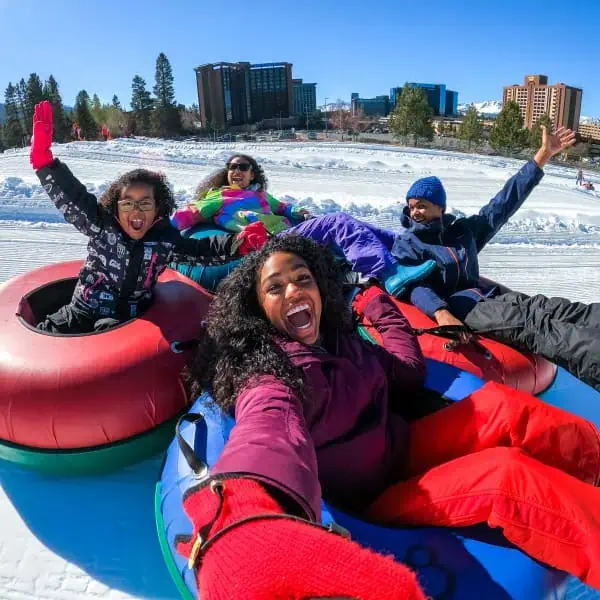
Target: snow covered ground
{"points": [[63, 539]]}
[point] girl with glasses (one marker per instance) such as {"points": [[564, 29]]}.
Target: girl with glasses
{"points": [[131, 238]]}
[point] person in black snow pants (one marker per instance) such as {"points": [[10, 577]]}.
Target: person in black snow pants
{"points": [[131, 240], [567, 333]]}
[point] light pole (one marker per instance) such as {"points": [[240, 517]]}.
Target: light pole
{"points": [[306, 110], [325, 116]]}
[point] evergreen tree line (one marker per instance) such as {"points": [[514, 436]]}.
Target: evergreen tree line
{"points": [[157, 115], [412, 116]]}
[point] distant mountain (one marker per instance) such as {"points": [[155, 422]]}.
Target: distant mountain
{"points": [[594, 120], [489, 108]]}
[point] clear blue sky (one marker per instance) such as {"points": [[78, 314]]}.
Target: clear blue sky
{"points": [[345, 46]]}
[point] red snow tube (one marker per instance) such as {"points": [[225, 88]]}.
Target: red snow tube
{"points": [[488, 359], [520, 370], [81, 391]]}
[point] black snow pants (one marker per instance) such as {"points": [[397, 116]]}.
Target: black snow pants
{"points": [[70, 320], [567, 333]]}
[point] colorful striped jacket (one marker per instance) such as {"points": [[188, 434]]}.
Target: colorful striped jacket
{"points": [[233, 209]]}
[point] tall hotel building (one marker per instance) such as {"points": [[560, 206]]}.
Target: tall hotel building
{"points": [[562, 103], [241, 93]]}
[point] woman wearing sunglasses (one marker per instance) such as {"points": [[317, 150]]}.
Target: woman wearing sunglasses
{"points": [[235, 197]]}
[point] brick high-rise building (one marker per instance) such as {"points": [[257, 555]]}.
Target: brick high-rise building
{"points": [[241, 93], [562, 103]]}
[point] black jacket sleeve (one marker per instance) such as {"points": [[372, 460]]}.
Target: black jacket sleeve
{"points": [[210, 250], [77, 205]]}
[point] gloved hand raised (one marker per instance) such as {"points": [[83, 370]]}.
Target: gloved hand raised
{"points": [[40, 155]]}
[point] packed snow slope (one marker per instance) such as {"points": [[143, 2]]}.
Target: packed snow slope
{"points": [[558, 227], [66, 539]]}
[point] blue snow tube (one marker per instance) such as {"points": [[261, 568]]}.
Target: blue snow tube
{"points": [[453, 564], [207, 276]]}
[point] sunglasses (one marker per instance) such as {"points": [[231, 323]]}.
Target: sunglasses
{"points": [[143, 205], [243, 167]]}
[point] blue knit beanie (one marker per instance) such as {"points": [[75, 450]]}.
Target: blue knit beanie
{"points": [[428, 188]]}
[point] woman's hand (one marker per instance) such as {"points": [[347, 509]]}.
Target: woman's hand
{"points": [[40, 155], [554, 143]]}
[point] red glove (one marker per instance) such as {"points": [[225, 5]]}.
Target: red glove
{"points": [[281, 558], [362, 299], [40, 155], [254, 237]]}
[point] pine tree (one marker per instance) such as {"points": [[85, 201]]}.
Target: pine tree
{"points": [[96, 111], [13, 132], [62, 124], [471, 129], [24, 116], [412, 115], [34, 93], [508, 133], [116, 103], [534, 137], [89, 129], [141, 105], [163, 88], [166, 118]]}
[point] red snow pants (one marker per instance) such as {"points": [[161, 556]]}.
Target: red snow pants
{"points": [[504, 458]]}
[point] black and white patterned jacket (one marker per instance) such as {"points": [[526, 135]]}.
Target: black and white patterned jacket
{"points": [[119, 273]]}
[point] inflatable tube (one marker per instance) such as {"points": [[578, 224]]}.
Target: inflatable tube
{"points": [[206, 276], [90, 402], [520, 370], [452, 564]]}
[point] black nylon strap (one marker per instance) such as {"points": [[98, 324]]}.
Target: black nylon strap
{"points": [[199, 467]]}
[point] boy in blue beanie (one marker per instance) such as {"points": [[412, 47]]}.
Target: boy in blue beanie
{"points": [[563, 332]]}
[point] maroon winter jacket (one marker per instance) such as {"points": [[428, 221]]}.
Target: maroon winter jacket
{"points": [[344, 435]]}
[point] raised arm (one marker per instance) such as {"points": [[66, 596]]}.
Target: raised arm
{"points": [[77, 205], [516, 190]]}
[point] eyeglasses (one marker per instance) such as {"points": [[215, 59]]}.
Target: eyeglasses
{"points": [[243, 167], [143, 205]]}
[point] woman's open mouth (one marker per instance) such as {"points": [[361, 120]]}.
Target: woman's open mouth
{"points": [[300, 317]]}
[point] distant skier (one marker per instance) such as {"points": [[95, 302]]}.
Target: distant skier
{"points": [[105, 132], [579, 178]]}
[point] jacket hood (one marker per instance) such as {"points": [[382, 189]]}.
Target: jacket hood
{"points": [[435, 226]]}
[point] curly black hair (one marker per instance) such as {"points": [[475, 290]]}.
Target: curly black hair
{"points": [[240, 342], [219, 179], [163, 196]]}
